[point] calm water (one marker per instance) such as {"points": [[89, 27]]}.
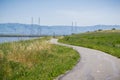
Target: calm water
{"points": [[11, 39]]}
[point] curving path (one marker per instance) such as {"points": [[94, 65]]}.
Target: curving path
{"points": [[93, 65]]}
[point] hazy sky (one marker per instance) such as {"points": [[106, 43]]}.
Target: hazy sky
{"points": [[60, 12]]}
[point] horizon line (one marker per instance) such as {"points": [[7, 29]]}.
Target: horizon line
{"points": [[61, 24]]}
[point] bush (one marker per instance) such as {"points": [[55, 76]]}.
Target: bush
{"points": [[99, 29], [113, 29]]}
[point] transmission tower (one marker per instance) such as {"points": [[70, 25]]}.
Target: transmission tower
{"points": [[72, 28], [75, 26], [31, 32], [32, 21], [39, 29]]}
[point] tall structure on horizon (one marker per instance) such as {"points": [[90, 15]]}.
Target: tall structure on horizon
{"points": [[31, 31], [39, 29], [75, 26], [39, 20], [72, 28], [31, 20]]}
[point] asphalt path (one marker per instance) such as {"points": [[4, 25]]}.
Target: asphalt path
{"points": [[93, 65]]}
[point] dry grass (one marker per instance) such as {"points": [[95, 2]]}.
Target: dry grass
{"points": [[35, 60], [24, 54], [1, 54]]}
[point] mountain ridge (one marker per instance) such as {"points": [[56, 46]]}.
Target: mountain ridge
{"points": [[18, 28]]}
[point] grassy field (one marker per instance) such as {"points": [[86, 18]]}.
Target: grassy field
{"points": [[35, 60], [107, 41]]}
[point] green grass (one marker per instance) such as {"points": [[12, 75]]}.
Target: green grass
{"points": [[35, 60], [107, 41]]}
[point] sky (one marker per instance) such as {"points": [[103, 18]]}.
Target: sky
{"points": [[61, 12]]}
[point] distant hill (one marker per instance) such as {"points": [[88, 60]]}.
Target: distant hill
{"points": [[16, 28]]}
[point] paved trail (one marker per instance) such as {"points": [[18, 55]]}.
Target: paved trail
{"points": [[93, 65]]}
